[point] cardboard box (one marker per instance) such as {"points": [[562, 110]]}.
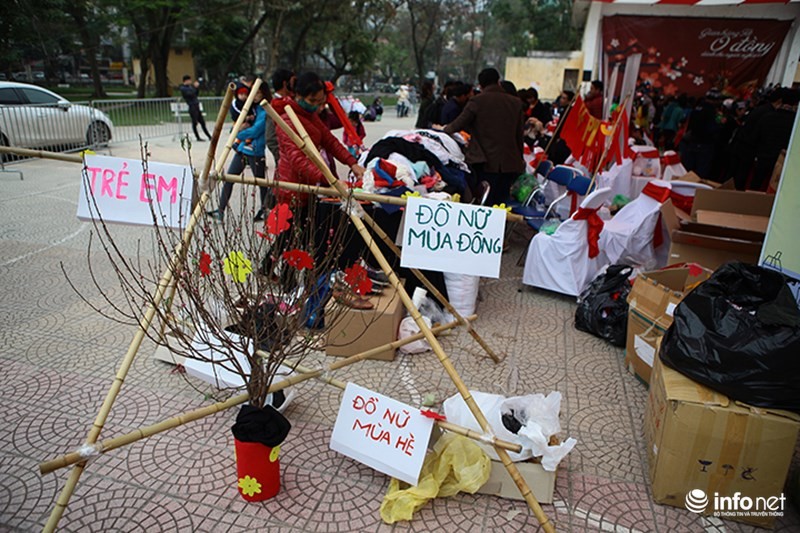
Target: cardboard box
{"points": [[700, 439], [713, 246], [725, 225], [652, 301], [358, 331], [541, 482]]}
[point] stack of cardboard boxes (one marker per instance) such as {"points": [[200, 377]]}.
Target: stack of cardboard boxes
{"points": [[697, 439]]}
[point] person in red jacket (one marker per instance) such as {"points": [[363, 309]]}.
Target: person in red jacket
{"points": [[293, 164]]}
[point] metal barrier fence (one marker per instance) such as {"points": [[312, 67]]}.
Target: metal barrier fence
{"points": [[65, 127], [153, 117]]}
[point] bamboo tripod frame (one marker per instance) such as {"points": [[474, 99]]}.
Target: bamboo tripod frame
{"points": [[176, 260], [355, 212]]}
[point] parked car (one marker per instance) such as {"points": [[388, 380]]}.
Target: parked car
{"points": [[33, 117]]}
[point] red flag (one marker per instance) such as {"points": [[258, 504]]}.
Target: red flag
{"points": [[333, 102], [580, 132], [619, 142]]}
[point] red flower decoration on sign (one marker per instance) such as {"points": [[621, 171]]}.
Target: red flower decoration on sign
{"points": [[204, 264], [358, 280], [299, 259], [278, 219]]}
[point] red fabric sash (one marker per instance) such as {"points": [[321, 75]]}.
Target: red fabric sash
{"points": [[658, 236], [648, 154], [594, 225], [670, 159], [655, 192], [661, 194], [682, 201]]}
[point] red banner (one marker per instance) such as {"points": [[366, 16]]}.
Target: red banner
{"points": [[692, 54]]}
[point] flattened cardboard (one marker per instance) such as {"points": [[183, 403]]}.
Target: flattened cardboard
{"points": [[699, 439], [713, 246], [541, 482], [733, 220], [651, 302], [358, 331], [738, 202]]}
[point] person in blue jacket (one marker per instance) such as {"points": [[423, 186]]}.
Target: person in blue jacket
{"points": [[249, 151]]}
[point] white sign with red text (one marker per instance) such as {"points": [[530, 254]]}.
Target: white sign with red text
{"points": [[382, 433], [126, 192]]}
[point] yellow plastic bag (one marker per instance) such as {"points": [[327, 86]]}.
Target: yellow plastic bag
{"points": [[457, 464]]}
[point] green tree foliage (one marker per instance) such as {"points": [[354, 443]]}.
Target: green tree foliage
{"points": [[219, 36]]}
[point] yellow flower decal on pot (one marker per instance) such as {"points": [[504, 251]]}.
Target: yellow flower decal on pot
{"points": [[503, 207], [237, 266], [249, 486], [273, 455]]}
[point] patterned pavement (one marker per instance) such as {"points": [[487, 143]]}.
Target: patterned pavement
{"points": [[59, 358]]}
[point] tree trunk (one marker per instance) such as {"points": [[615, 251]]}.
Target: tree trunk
{"points": [[160, 58], [144, 63], [275, 44], [77, 11]]}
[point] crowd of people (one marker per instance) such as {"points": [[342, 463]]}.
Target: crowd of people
{"points": [[718, 137]]}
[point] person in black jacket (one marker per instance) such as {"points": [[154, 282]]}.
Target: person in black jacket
{"points": [[190, 92], [744, 145], [772, 135]]}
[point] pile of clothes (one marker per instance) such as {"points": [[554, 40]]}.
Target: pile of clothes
{"points": [[416, 158]]}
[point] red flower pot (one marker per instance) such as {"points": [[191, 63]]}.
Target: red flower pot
{"points": [[258, 469]]}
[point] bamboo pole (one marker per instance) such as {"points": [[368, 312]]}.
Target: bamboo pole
{"points": [[144, 324], [393, 345], [560, 124], [41, 154], [148, 431], [449, 426], [136, 435], [246, 180], [49, 466], [71, 458], [432, 289], [329, 191], [304, 143]]}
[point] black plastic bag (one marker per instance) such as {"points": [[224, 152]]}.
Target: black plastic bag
{"points": [[739, 334], [603, 305], [267, 425]]}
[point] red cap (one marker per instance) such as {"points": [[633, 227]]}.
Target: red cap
{"points": [[242, 90]]}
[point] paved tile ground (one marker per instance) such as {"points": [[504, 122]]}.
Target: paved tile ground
{"points": [[59, 357]]}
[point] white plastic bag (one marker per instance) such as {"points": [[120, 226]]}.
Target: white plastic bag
{"points": [[462, 290], [537, 414], [408, 328]]}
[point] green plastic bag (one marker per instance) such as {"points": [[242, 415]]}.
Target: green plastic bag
{"points": [[456, 465], [523, 187], [548, 228]]}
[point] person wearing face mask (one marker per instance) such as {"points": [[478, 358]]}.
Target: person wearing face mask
{"points": [[293, 165]]}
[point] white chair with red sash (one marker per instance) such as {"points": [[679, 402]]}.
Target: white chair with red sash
{"points": [[636, 235], [570, 258], [683, 193], [671, 166]]}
